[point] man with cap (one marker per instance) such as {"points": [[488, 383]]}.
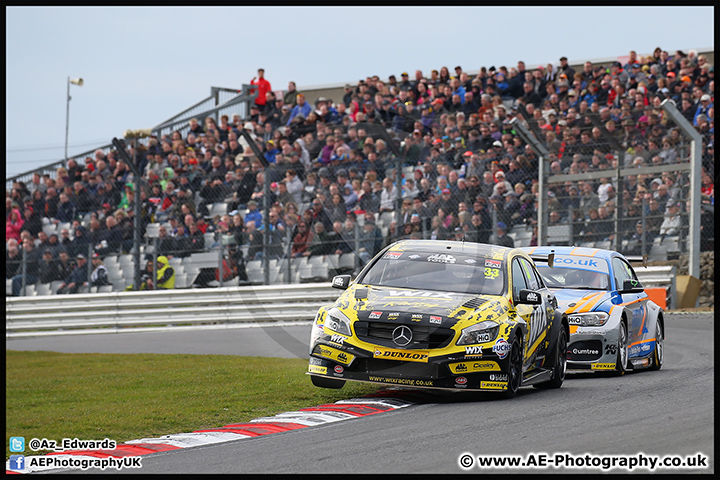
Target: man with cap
{"points": [[405, 83], [672, 223], [77, 278], [635, 244], [503, 238], [704, 106], [99, 275]]}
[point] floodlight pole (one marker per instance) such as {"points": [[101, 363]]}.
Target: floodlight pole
{"points": [[79, 83]]}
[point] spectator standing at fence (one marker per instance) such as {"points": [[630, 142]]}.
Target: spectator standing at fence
{"points": [[672, 221], [32, 267], [263, 88], [290, 97], [371, 239]]}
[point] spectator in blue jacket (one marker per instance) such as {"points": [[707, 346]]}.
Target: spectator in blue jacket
{"points": [[703, 107], [301, 107]]}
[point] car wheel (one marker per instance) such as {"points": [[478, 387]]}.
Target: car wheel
{"points": [[324, 382], [658, 354], [560, 368], [514, 370], [622, 354]]}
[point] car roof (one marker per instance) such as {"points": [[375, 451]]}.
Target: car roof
{"points": [[581, 251], [449, 246]]}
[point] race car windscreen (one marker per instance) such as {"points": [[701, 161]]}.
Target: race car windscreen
{"points": [[438, 271], [571, 271]]}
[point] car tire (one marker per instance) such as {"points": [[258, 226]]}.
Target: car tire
{"points": [[515, 369], [560, 368], [658, 354], [621, 364], [324, 382]]}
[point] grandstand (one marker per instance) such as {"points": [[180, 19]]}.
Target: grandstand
{"points": [[585, 155]]}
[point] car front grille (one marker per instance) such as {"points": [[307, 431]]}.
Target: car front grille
{"points": [[378, 366], [424, 337]]}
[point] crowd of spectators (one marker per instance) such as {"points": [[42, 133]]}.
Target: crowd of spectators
{"points": [[473, 177]]}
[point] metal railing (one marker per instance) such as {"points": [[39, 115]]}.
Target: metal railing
{"points": [[136, 311]]}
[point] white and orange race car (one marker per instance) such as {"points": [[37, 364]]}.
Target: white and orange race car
{"points": [[614, 325]]}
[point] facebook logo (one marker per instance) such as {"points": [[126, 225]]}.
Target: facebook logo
{"points": [[17, 462], [17, 444]]}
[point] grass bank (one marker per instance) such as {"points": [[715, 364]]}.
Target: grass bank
{"points": [[129, 396]]}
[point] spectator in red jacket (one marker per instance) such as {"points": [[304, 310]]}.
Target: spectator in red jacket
{"points": [[263, 88]]}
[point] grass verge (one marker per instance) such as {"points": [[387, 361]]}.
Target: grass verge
{"points": [[129, 396]]}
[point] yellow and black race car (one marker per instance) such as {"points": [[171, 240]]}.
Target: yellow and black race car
{"points": [[442, 314]]}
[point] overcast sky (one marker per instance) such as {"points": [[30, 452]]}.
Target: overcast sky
{"points": [[142, 65]]}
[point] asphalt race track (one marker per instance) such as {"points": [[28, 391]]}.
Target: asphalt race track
{"points": [[669, 412]]}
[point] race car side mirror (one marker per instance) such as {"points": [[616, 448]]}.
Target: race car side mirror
{"points": [[529, 297], [341, 281], [632, 286]]}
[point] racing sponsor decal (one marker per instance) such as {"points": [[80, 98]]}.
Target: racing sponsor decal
{"points": [[334, 354], [501, 348], [474, 351], [414, 256], [375, 315], [435, 319], [470, 367], [642, 362], [339, 339], [402, 381], [337, 281], [393, 315], [461, 381], [441, 258], [492, 263], [317, 369], [602, 366], [339, 369], [416, 317], [420, 293], [393, 255], [532, 297], [402, 355], [498, 377], [494, 385], [610, 349], [583, 263], [470, 261]]}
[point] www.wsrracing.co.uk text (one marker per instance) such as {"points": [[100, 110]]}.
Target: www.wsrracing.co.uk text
{"points": [[584, 461]]}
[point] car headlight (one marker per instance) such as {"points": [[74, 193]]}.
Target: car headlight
{"points": [[316, 332], [479, 333], [338, 322], [592, 319]]}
